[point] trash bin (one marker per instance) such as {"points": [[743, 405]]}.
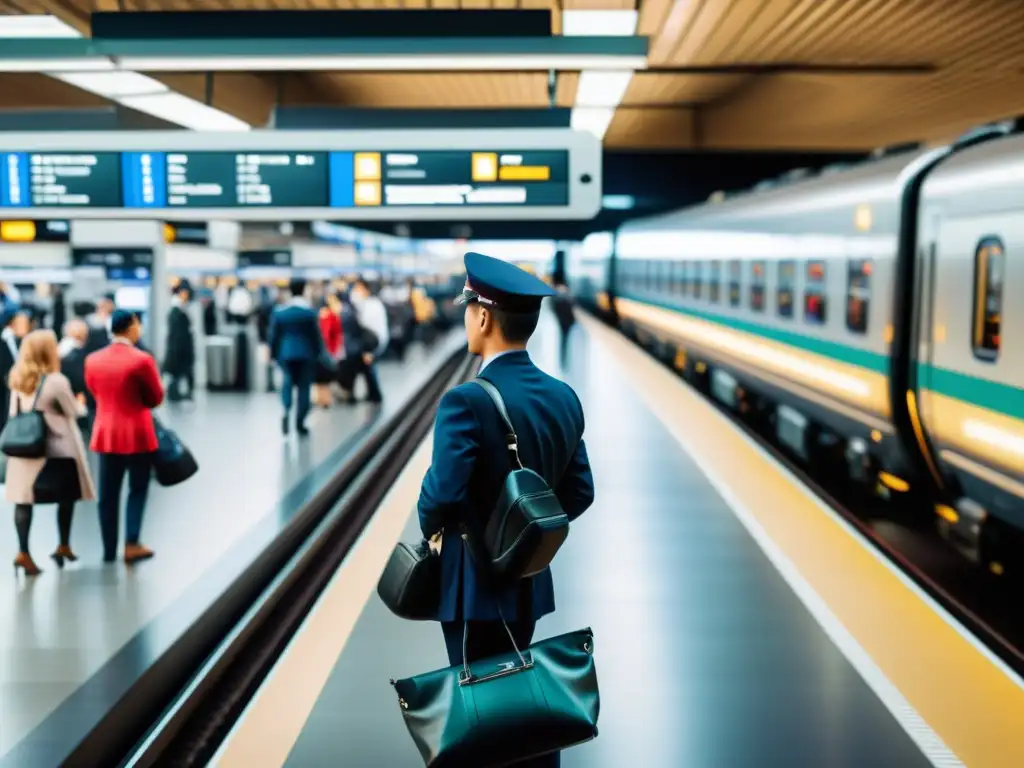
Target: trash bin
{"points": [[221, 368]]}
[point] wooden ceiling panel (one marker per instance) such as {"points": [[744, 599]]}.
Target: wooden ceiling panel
{"points": [[33, 91], [248, 97], [856, 111], [653, 88], [568, 84], [651, 129], [435, 90], [599, 5]]}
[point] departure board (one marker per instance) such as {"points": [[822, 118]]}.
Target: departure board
{"points": [[443, 178], [60, 180], [284, 179]]}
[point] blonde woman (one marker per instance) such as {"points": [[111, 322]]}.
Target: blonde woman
{"points": [[62, 477]]}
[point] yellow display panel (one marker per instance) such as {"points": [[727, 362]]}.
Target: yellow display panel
{"points": [[17, 231], [367, 193], [524, 173], [367, 166], [485, 166]]}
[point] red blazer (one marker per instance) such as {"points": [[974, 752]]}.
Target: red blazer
{"points": [[126, 384], [330, 329]]}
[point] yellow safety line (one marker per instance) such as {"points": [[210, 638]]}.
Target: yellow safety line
{"points": [[970, 702]]}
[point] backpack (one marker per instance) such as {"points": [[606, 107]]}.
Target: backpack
{"points": [[527, 525]]}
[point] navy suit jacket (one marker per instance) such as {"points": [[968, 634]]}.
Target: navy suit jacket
{"points": [[295, 334], [469, 467]]}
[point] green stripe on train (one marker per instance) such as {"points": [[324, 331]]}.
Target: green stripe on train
{"points": [[1003, 398]]}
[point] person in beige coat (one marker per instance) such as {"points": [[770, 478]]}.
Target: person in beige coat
{"points": [[62, 477]]}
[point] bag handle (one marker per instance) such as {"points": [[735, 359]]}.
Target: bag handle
{"points": [[510, 668], [511, 441], [35, 397]]}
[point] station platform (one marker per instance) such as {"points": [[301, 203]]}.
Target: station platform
{"points": [[717, 643], [74, 639]]}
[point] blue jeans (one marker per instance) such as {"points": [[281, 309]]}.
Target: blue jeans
{"points": [[113, 467], [297, 374]]}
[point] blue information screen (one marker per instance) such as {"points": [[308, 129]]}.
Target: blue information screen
{"points": [[207, 180]]}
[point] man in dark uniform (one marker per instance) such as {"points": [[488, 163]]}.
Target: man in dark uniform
{"points": [[470, 461], [180, 357]]}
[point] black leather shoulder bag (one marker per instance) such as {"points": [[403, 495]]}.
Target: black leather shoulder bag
{"points": [[24, 436], [527, 525]]}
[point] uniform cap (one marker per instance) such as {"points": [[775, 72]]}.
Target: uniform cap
{"points": [[500, 285]]}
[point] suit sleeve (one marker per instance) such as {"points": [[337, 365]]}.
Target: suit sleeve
{"points": [[273, 334], [456, 446], [575, 490], [152, 387]]}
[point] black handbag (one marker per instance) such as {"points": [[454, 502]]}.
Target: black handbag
{"points": [[528, 525], [410, 585], [24, 436], [507, 708], [173, 463]]}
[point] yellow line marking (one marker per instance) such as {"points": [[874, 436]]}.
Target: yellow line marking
{"points": [[972, 702]]}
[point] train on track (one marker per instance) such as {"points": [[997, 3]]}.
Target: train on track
{"points": [[865, 314]]}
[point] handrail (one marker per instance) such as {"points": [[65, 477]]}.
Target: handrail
{"points": [[192, 734]]}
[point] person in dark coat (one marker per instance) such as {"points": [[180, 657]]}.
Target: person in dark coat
{"points": [[296, 346], [16, 324], [180, 358], [470, 463]]}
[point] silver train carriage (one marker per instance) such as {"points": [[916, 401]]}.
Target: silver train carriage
{"points": [[840, 309]]}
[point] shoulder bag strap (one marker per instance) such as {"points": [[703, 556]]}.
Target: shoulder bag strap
{"points": [[511, 441], [35, 399]]}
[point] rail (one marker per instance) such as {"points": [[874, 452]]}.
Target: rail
{"points": [[194, 727]]}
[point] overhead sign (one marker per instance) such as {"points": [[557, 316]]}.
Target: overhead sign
{"points": [[265, 258], [28, 231], [549, 173]]}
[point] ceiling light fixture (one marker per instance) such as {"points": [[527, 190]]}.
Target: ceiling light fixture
{"points": [[599, 23], [381, 63], [113, 85], [100, 75], [175, 108], [599, 93]]}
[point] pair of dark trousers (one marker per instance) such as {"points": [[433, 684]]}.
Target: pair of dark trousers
{"points": [[298, 374], [369, 370], [113, 468], [489, 638]]}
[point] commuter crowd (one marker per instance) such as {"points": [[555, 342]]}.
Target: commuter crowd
{"points": [[94, 387], [324, 339]]}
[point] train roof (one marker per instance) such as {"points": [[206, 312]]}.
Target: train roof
{"points": [[864, 182]]}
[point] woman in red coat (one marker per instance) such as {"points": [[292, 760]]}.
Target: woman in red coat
{"points": [[125, 382], [330, 330]]}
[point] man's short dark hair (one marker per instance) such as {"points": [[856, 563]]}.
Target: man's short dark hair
{"points": [[516, 327], [121, 320], [297, 286], [361, 282]]}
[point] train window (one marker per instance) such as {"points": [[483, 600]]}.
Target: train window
{"points": [[858, 294], [735, 272], [989, 268], [684, 285], [697, 283], [787, 283], [815, 301], [715, 281], [757, 274]]}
